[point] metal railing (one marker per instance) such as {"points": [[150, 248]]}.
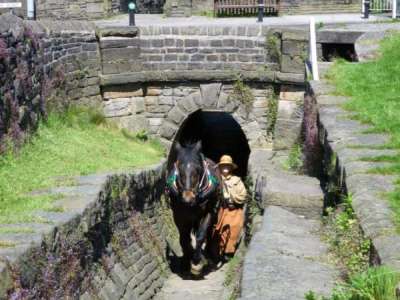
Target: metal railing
{"points": [[244, 7]]}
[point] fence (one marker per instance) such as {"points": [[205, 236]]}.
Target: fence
{"points": [[244, 7], [377, 6]]}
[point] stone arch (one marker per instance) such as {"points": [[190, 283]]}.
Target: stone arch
{"points": [[211, 97]]}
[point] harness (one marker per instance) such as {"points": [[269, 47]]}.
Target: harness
{"points": [[207, 182]]}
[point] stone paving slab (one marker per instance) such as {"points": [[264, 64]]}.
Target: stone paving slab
{"points": [[286, 259], [210, 288], [160, 20]]}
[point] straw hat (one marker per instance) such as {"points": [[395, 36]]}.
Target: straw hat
{"points": [[227, 160]]}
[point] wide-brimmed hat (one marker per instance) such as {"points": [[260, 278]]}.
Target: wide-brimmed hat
{"points": [[227, 160]]}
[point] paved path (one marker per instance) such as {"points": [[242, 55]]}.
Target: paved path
{"points": [[286, 257], [160, 20], [210, 288]]}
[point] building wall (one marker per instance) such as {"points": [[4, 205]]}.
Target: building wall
{"points": [[297, 7], [74, 9]]}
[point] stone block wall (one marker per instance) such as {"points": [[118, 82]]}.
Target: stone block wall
{"points": [[43, 64], [76, 9], [297, 7], [114, 249], [160, 109], [203, 53]]}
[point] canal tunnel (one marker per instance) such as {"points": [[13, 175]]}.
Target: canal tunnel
{"points": [[219, 133]]}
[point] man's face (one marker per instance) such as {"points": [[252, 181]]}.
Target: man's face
{"points": [[225, 169]]}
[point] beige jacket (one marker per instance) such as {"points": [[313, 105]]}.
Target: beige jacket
{"points": [[234, 189]]}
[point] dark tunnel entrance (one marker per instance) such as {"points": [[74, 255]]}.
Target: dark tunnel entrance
{"points": [[220, 134]]}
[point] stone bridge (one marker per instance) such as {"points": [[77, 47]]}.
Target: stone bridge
{"points": [[238, 86]]}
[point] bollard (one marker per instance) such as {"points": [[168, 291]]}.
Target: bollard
{"points": [[131, 10], [366, 9], [394, 9], [313, 49], [260, 11]]}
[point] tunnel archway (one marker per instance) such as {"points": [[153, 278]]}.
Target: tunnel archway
{"points": [[219, 133]]}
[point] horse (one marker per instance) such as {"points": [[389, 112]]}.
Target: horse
{"points": [[193, 185]]}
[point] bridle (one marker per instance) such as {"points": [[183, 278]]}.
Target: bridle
{"points": [[205, 184]]}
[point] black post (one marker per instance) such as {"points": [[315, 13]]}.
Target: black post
{"points": [[131, 10], [366, 9], [260, 10]]}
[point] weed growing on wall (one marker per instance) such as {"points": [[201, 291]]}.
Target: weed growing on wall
{"points": [[273, 44], [272, 115], [294, 162], [243, 93], [348, 248]]}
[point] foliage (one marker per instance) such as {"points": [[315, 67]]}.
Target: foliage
{"points": [[376, 283], [373, 88], [320, 25], [348, 248], [233, 266], [69, 144], [243, 93], [21, 73], [294, 162], [272, 115], [273, 45], [206, 13]]}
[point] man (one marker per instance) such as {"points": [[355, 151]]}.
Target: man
{"points": [[231, 215]]}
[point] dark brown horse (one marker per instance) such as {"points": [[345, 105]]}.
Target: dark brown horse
{"points": [[193, 185]]}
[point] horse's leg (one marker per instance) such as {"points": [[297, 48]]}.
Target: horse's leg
{"points": [[184, 229], [201, 235]]}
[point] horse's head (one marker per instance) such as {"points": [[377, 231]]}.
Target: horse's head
{"points": [[190, 168]]}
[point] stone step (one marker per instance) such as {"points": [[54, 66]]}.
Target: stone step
{"points": [[286, 259], [299, 194], [211, 287]]}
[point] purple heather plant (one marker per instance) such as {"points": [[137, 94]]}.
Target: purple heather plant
{"points": [[312, 147], [3, 49]]}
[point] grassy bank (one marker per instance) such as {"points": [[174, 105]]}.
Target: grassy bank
{"points": [[78, 142], [374, 90]]}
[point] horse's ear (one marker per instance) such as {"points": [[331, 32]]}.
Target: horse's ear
{"points": [[198, 146], [178, 147]]}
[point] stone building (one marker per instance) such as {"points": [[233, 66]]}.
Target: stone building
{"points": [[84, 9], [180, 8], [95, 9]]}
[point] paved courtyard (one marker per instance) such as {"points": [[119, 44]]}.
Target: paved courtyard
{"points": [[160, 20]]}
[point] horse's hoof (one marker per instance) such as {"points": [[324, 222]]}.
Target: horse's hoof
{"points": [[196, 270]]}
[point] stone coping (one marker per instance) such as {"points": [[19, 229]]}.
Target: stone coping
{"points": [[200, 75], [77, 204], [347, 144]]}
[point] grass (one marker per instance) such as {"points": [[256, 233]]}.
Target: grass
{"points": [[374, 91], [377, 283], [79, 142], [349, 251]]}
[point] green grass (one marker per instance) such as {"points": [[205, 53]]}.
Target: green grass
{"points": [[377, 283], [78, 142], [374, 90]]}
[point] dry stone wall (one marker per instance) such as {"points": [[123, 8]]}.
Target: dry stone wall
{"points": [[113, 247], [43, 64], [346, 149]]}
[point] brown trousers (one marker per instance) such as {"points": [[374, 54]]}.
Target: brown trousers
{"points": [[227, 230]]}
